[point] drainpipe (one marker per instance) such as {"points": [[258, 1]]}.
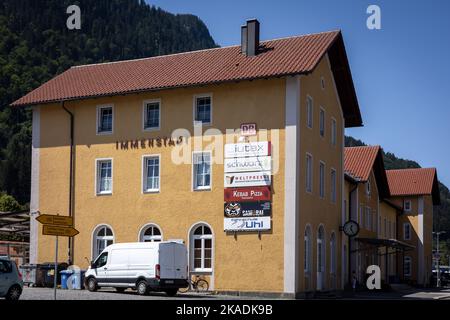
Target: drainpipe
{"points": [[349, 267], [71, 213]]}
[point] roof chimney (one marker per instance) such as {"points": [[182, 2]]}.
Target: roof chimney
{"points": [[250, 38]]}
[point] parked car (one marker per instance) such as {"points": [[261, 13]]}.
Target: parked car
{"points": [[11, 283], [143, 266], [444, 275]]}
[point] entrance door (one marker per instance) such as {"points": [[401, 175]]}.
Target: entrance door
{"points": [[320, 258]]}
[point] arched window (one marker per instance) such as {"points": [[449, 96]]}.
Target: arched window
{"points": [[201, 246], [320, 258], [103, 237], [150, 233]]}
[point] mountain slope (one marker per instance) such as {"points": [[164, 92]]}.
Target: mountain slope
{"points": [[35, 45]]}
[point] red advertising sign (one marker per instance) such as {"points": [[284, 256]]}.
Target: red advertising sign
{"points": [[247, 194]]}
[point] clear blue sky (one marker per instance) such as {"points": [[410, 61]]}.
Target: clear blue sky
{"points": [[401, 72]]}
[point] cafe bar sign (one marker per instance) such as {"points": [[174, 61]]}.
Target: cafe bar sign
{"points": [[248, 149]]}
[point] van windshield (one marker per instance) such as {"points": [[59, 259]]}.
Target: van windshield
{"points": [[101, 260]]}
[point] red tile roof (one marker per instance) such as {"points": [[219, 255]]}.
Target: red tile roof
{"points": [[281, 57], [360, 161], [422, 181]]}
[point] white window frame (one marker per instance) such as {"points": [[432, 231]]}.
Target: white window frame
{"points": [[194, 175], [145, 157], [97, 177], [410, 205], [194, 111], [309, 173], [98, 118], [94, 253], [333, 132], [309, 112], [153, 238], [202, 237], [409, 259], [322, 125], [406, 225], [144, 114], [333, 185], [307, 259], [322, 179]]}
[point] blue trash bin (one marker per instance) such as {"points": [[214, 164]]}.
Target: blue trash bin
{"points": [[65, 274]]}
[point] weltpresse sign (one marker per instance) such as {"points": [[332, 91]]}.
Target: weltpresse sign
{"points": [[248, 149], [263, 163], [247, 194], [247, 179]]}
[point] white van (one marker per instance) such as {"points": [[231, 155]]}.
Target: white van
{"points": [[144, 266]]}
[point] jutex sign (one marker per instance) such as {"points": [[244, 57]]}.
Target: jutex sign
{"points": [[249, 149], [248, 164]]}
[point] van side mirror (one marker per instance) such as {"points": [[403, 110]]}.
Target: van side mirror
{"points": [[92, 265]]}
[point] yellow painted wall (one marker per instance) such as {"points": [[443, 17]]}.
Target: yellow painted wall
{"points": [[315, 211], [245, 262]]}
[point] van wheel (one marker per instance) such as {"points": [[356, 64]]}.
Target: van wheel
{"points": [[171, 292], [142, 287], [120, 289], [92, 285], [13, 293]]}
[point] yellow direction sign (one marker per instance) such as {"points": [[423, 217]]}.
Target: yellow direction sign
{"points": [[51, 230], [55, 220]]}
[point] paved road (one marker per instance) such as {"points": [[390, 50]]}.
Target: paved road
{"points": [[105, 294]]}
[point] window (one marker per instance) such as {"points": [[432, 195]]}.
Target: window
{"points": [[406, 231], [407, 266], [151, 174], [202, 170], [322, 83], [320, 249], [333, 185], [322, 122], [203, 109], [101, 260], [150, 233], [309, 112], [202, 248], [361, 215], [321, 179], [152, 114], [104, 176], [309, 173], [407, 205], [333, 132], [308, 252], [104, 119], [103, 237], [5, 266], [368, 187], [368, 219]]}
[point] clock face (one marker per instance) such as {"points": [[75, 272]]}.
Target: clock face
{"points": [[351, 228]]}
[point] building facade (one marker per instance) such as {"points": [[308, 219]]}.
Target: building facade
{"points": [[138, 151]]}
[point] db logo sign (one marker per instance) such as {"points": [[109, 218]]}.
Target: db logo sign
{"points": [[248, 129]]}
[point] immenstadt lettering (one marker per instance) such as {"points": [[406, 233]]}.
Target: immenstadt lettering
{"points": [[150, 143]]}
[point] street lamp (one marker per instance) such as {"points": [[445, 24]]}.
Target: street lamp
{"points": [[438, 271]]}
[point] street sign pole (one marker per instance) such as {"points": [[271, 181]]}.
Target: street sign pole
{"points": [[56, 269]]}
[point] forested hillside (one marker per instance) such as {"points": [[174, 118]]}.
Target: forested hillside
{"points": [[441, 218], [35, 45]]}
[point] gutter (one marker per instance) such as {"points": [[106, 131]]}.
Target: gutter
{"points": [[71, 183]]}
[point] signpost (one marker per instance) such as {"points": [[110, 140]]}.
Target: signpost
{"points": [[56, 225]]}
